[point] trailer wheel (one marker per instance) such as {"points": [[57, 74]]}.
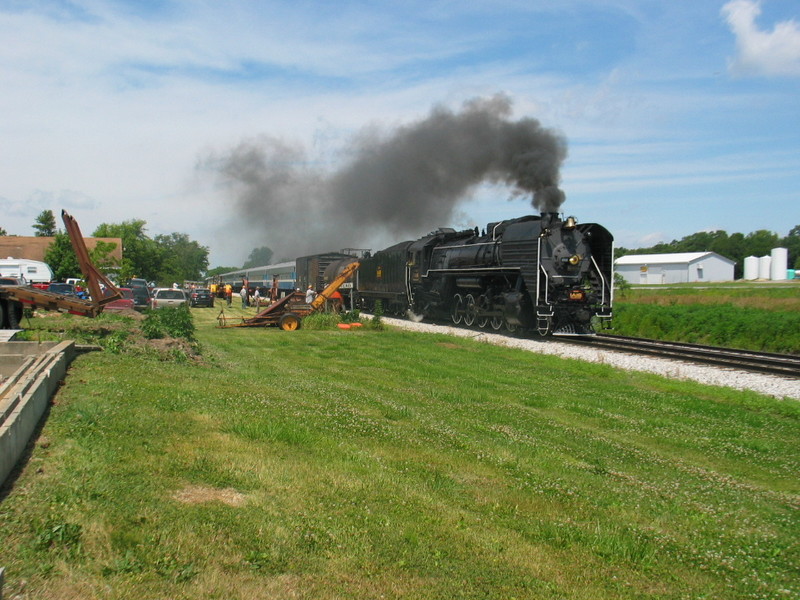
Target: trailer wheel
{"points": [[14, 314], [289, 322]]}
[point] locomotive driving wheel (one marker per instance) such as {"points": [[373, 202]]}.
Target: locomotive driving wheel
{"points": [[457, 312], [497, 323], [470, 310]]}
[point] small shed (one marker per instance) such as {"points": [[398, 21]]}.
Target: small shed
{"points": [[680, 267]]}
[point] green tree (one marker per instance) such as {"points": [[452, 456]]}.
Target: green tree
{"points": [[61, 257], [220, 271], [3, 231], [761, 242], [259, 257], [182, 258], [45, 225], [792, 243], [141, 256]]}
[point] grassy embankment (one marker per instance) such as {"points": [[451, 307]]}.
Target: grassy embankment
{"points": [[367, 464], [764, 317]]}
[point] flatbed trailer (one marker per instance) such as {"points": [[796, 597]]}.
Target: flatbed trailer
{"points": [[288, 312], [13, 298]]}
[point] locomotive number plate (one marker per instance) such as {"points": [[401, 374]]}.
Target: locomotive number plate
{"points": [[576, 295]]}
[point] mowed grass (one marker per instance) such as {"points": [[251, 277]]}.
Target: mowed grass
{"points": [[389, 464]]}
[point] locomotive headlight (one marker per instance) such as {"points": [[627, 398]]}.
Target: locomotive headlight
{"points": [[574, 259]]}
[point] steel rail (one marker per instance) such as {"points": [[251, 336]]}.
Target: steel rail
{"points": [[786, 365]]}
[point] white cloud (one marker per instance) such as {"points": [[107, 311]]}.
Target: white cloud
{"points": [[771, 53]]}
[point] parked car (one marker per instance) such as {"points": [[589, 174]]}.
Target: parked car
{"points": [[12, 281], [201, 297], [167, 297], [141, 293], [65, 289], [124, 303]]}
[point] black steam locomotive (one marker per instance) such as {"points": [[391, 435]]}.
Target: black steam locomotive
{"points": [[538, 273]]}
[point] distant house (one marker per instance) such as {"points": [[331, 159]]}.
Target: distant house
{"points": [[34, 248], [680, 267]]}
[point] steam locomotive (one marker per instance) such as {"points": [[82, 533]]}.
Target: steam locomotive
{"points": [[540, 273]]}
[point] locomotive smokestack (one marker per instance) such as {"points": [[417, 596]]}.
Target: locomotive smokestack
{"points": [[548, 219]]}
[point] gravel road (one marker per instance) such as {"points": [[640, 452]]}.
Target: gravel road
{"points": [[779, 387]]}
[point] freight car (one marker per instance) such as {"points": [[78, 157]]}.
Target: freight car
{"points": [[540, 273]]}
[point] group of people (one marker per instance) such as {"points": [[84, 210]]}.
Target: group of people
{"points": [[255, 299]]}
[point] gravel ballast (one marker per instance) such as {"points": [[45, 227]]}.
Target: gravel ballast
{"points": [[779, 387]]}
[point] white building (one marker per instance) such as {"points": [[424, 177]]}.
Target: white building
{"points": [[680, 267]]}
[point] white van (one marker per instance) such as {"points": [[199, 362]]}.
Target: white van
{"points": [[33, 271]]}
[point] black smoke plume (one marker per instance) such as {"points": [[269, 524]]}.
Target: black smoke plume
{"points": [[392, 186]]}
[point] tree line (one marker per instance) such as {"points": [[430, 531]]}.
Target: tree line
{"points": [[163, 259], [736, 246]]}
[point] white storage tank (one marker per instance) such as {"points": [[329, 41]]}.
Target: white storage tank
{"points": [[780, 261], [764, 263], [750, 268]]}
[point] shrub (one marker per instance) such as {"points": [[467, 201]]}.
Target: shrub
{"points": [[169, 321], [321, 320], [376, 316]]}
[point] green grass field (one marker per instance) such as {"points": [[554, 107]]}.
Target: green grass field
{"points": [[754, 316], [388, 464]]}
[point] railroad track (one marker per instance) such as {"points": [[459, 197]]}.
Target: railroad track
{"points": [[785, 365]]}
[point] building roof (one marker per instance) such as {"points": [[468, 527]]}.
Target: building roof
{"points": [[34, 247], [684, 258]]}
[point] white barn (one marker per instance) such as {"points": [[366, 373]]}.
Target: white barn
{"points": [[680, 267]]}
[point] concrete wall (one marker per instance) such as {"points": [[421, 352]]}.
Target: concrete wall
{"points": [[24, 396]]}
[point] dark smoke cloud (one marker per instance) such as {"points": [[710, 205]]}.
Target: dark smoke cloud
{"points": [[394, 185]]}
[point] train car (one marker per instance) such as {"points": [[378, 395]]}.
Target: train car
{"points": [[283, 275], [540, 273], [311, 269]]}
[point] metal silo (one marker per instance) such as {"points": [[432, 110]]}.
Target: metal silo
{"points": [[780, 260], [764, 263], [750, 268]]}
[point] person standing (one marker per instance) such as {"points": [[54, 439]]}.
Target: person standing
{"points": [[310, 294], [243, 294], [229, 293]]}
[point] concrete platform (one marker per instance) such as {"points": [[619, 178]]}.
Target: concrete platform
{"points": [[29, 374], [6, 335]]}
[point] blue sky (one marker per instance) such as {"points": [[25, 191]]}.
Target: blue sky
{"points": [[679, 116]]}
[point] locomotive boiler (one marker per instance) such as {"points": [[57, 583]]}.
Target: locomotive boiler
{"points": [[541, 273]]}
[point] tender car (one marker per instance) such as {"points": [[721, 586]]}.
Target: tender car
{"points": [[141, 293], [201, 297], [65, 289], [163, 297], [124, 303]]}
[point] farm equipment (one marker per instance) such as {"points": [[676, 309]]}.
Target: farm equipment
{"points": [[14, 297], [288, 312]]}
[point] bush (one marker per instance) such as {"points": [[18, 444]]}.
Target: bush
{"points": [[351, 316], [169, 321], [321, 320], [377, 323]]}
